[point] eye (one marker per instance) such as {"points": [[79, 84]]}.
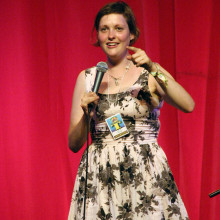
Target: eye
{"points": [[119, 28], [103, 29]]}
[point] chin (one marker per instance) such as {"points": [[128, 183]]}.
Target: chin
{"points": [[115, 55], [111, 54]]}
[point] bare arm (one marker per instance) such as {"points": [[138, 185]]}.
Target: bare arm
{"points": [[79, 113], [173, 93]]}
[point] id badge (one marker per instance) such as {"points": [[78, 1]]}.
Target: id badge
{"points": [[117, 126]]}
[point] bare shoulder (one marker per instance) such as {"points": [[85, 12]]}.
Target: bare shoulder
{"points": [[79, 89], [80, 81], [80, 85], [81, 76]]}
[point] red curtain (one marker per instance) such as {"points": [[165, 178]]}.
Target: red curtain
{"points": [[44, 44]]}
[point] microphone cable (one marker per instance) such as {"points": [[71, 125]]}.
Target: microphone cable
{"points": [[102, 67], [87, 155]]}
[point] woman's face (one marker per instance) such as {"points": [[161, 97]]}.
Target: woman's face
{"points": [[114, 35]]}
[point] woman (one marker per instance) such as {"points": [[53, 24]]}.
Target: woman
{"points": [[129, 177]]}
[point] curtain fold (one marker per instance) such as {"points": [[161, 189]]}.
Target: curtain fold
{"points": [[43, 47]]}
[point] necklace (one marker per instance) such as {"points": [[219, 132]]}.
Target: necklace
{"points": [[116, 79], [126, 70]]}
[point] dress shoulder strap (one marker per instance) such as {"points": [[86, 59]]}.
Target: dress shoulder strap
{"points": [[89, 78]]}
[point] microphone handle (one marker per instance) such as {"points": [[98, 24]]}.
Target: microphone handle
{"points": [[98, 80], [90, 107]]}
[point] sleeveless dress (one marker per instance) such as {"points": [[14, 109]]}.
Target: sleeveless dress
{"points": [[128, 178]]}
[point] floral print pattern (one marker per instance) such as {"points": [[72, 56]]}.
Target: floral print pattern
{"points": [[128, 178]]}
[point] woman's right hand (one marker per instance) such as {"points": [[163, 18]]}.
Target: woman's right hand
{"points": [[89, 100]]}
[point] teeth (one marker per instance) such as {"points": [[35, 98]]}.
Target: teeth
{"points": [[111, 44]]}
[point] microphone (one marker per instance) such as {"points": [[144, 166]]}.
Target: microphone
{"points": [[101, 68]]}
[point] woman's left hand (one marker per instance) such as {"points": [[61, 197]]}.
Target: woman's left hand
{"points": [[140, 58], [174, 93]]}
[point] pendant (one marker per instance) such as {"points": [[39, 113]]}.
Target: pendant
{"points": [[116, 82]]}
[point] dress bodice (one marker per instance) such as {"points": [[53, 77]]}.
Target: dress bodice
{"points": [[134, 105]]}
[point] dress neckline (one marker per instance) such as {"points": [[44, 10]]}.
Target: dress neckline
{"points": [[128, 89]]}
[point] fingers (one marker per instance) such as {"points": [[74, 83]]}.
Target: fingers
{"points": [[134, 49], [89, 100], [139, 58]]}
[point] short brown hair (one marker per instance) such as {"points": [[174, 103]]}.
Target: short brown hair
{"points": [[118, 7]]}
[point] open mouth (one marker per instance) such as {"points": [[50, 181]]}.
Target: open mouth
{"points": [[112, 44]]}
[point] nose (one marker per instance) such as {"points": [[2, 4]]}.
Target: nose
{"points": [[111, 34]]}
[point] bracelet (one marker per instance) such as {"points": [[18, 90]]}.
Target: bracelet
{"points": [[163, 78], [159, 75], [154, 74]]}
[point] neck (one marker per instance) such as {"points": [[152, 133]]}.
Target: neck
{"points": [[117, 66], [122, 62]]}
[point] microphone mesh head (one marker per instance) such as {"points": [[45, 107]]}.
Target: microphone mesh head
{"points": [[102, 67]]}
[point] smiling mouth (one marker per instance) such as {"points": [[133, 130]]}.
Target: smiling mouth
{"points": [[112, 44]]}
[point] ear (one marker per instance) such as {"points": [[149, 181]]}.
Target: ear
{"points": [[97, 44], [132, 37]]}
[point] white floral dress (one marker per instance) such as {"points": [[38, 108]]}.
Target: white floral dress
{"points": [[128, 178]]}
